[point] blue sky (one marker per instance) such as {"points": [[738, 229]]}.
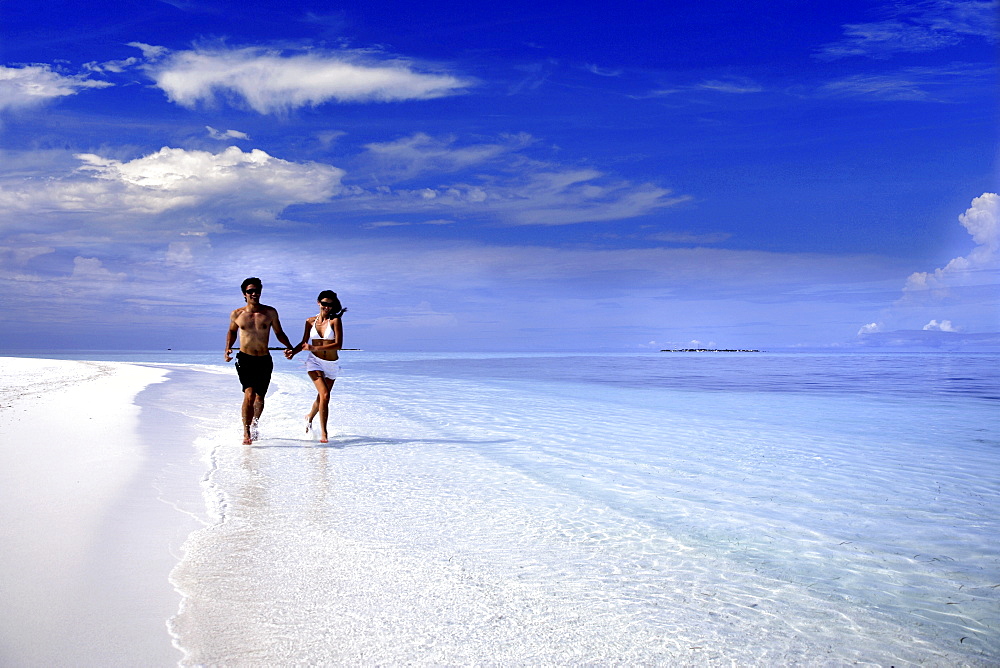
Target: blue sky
{"points": [[512, 176]]}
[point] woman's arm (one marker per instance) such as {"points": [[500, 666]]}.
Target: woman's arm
{"points": [[302, 343]]}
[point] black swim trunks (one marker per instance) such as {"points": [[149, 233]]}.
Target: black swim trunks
{"points": [[254, 371]]}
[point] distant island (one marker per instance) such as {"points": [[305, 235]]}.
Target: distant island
{"points": [[282, 348], [707, 350]]}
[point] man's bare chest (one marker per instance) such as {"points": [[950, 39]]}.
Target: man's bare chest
{"points": [[254, 321]]}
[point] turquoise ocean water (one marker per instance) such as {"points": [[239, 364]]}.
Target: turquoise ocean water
{"points": [[634, 508]]}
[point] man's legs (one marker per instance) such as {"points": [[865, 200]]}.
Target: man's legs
{"points": [[253, 406]]}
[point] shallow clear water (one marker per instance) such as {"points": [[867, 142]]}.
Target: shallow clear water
{"points": [[639, 508]]}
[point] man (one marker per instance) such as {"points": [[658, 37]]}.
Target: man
{"points": [[253, 362]]}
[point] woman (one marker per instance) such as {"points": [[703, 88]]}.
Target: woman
{"points": [[323, 337]]}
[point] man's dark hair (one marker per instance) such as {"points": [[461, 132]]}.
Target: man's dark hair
{"points": [[253, 280]]}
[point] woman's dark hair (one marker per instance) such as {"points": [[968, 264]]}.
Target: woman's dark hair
{"points": [[338, 309]]}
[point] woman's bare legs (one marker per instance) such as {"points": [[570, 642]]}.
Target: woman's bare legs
{"points": [[321, 404]]}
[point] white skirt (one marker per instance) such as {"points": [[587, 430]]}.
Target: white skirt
{"points": [[328, 368]]}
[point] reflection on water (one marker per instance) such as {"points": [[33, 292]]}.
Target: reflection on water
{"points": [[460, 515]]}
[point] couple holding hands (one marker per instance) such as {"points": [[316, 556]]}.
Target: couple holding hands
{"points": [[322, 338]]}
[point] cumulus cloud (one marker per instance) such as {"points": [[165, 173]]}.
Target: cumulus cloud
{"points": [[92, 270], [943, 326], [270, 81], [915, 27], [225, 184], [982, 221], [32, 85], [965, 290]]}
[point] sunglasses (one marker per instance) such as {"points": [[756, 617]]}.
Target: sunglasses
{"points": [[251, 291], [327, 304]]}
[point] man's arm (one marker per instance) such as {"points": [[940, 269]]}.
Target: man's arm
{"points": [[305, 337], [280, 333], [231, 335]]}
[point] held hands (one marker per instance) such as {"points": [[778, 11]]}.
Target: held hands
{"points": [[290, 353], [229, 354]]}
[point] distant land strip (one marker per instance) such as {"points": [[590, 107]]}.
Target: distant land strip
{"points": [[283, 348], [707, 350]]}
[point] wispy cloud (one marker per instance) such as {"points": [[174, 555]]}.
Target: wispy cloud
{"points": [[31, 85], [272, 81], [493, 181], [729, 85], [689, 238], [602, 71], [407, 157], [540, 196], [921, 84], [737, 85], [226, 135], [536, 74], [914, 27]]}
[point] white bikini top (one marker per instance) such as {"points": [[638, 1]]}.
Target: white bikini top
{"points": [[314, 334]]}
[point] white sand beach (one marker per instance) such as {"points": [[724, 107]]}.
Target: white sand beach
{"points": [[87, 542]]}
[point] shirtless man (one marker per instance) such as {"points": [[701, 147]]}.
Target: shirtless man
{"points": [[253, 362]]}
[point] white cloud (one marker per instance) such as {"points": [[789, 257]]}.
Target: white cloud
{"points": [[31, 85], [929, 84], [966, 290], [206, 186], [879, 40], [536, 75], [327, 138], [227, 135], [271, 81], [149, 51], [408, 157], [734, 85], [870, 328], [916, 27], [602, 71], [943, 326], [401, 292], [186, 254], [982, 221], [542, 195], [92, 270], [502, 184], [113, 66], [379, 224], [690, 238]]}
